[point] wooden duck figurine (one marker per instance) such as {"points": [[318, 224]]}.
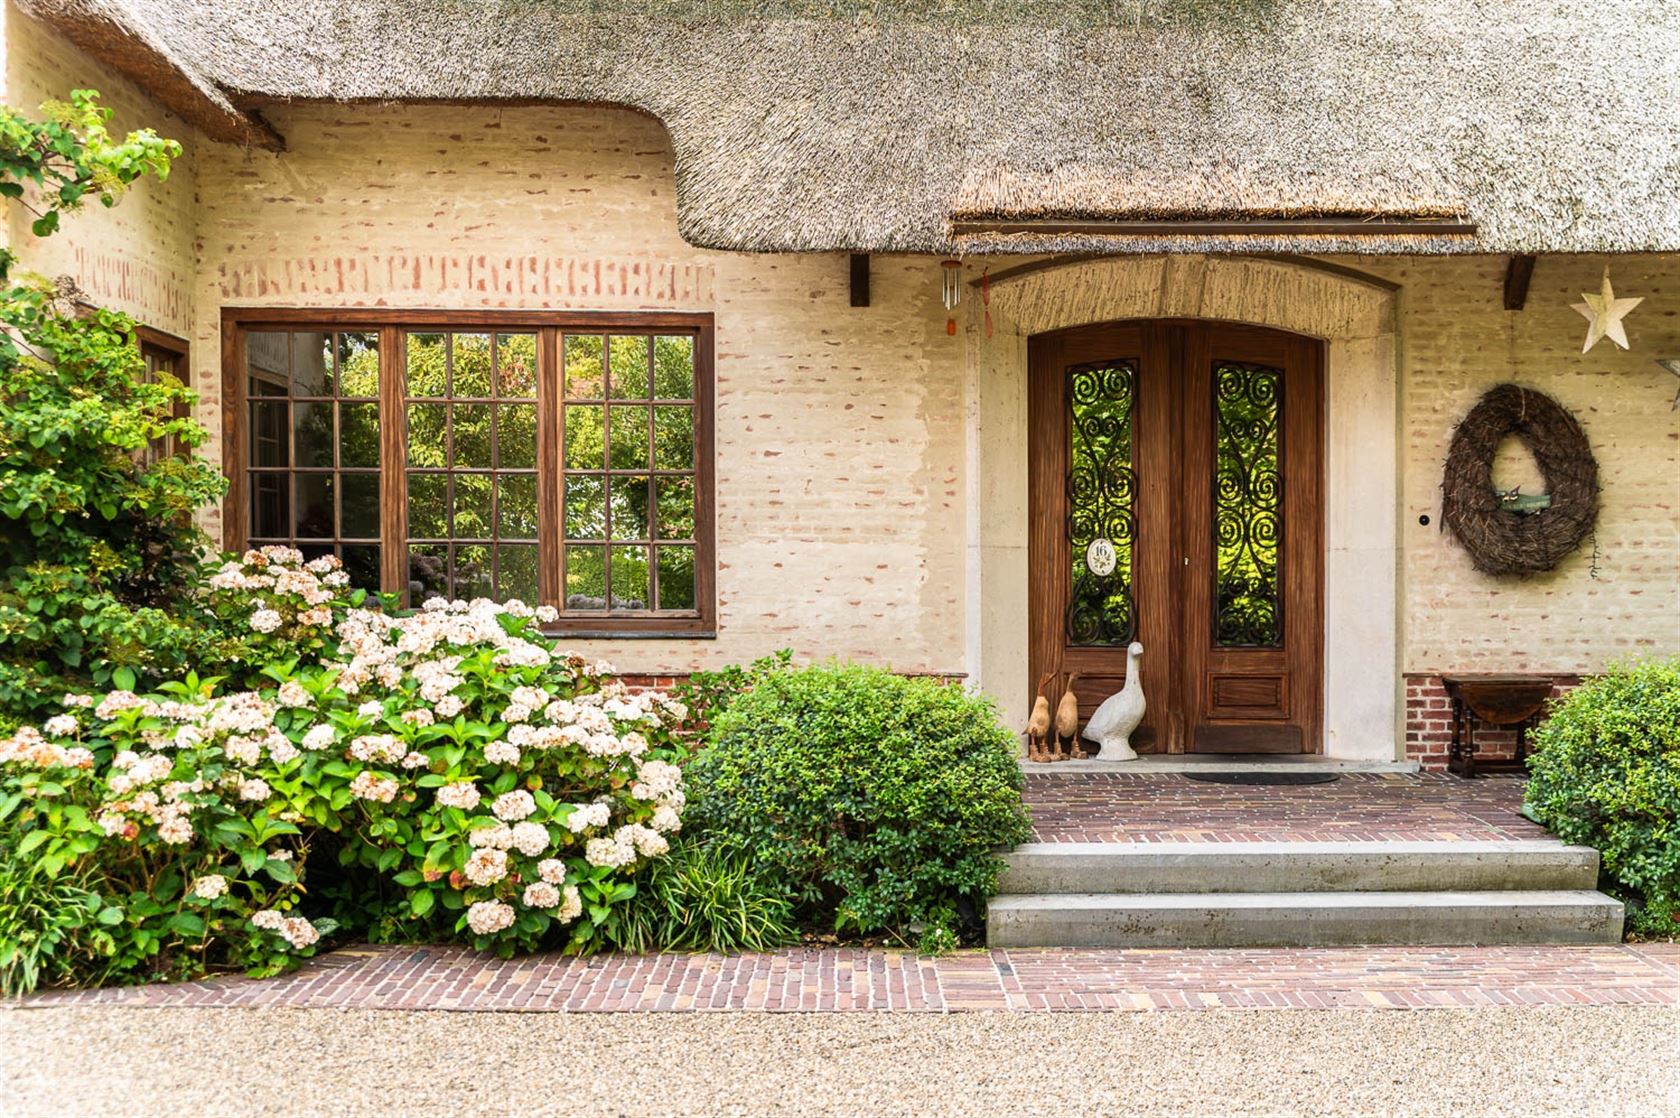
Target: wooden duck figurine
{"points": [[1067, 722], [1112, 725], [1038, 726]]}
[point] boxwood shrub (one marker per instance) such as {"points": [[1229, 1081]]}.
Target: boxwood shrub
{"points": [[1606, 773], [879, 801]]}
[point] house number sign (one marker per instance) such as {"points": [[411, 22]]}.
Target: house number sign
{"points": [[1100, 557]]}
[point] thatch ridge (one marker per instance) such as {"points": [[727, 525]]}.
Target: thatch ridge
{"points": [[871, 124]]}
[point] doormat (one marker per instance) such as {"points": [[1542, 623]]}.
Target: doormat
{"points": [[1265, 777]]}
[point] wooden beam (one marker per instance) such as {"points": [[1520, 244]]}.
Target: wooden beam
{"points": [[860, 279], [1518, 271]]}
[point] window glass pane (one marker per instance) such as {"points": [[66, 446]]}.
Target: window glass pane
{"points": [[474, 576], [673, 368], [428, 435], [586, 515], [268, 361], [516, 572], [472, 436], [628, 431], [427, 366], [516, 365], [428, 506], [472, 365], [358, 435], [676, 507], [315, 511], [676, 577], [630, 578], [361, 563], [271, 506], [516, 506], [516, 436], [1247, 505], [629, 367], [584, 449], [269, 445], [428, 572], [472, 507], [314, 433], [358, 364], [312, 364], [673, 438], [359, 495], [583, 367], [629, 507], [1101, 488], [586, 577]]}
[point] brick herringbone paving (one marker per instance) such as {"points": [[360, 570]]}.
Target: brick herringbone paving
{"points": [[850, 980], [1168, 807]]}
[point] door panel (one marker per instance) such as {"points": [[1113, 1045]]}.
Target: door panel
{"points": [[1191, 454]]}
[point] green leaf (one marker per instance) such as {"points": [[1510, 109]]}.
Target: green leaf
{"points": [[421, 903], [110, 915], [187, 924]]}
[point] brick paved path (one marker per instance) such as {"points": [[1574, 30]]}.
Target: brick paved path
{"points": [[447, 978], [1167, 807]]}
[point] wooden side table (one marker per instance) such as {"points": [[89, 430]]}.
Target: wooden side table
{"points": [[1493, 700]]}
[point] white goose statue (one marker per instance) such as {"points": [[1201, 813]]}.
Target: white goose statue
{"points": [[1112, 725]]}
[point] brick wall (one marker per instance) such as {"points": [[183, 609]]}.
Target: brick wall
{"points": [[1429, 723], [137, 257]]}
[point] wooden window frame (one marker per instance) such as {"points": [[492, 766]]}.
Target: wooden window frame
{"points": [[550, 328], [178, 348]]}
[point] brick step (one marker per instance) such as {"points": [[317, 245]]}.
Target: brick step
{"points": [[1296, 867], [1314, 919]]}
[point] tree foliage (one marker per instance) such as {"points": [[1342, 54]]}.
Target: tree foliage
{"points": [[99, 553]]}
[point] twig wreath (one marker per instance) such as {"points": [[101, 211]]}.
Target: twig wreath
{"points": [[1501, 540]]}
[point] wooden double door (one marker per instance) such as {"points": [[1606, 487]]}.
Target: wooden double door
{"points": [[1176, 499]]}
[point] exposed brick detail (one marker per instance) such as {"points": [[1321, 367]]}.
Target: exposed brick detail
{"points": [[1429, 723], [1022, 980]]}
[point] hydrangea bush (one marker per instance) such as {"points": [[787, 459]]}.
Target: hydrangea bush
{"points": [[489, 788]]}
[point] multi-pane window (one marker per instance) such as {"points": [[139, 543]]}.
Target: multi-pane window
{"points": [[485, 455], [313, 404], [164, 356], [629, 472], [471, 406]]}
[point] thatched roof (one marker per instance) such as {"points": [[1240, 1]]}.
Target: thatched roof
{"points": [[1549, 126]]}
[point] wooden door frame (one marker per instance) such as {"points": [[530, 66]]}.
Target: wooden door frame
{"points": [[1161, 578]]}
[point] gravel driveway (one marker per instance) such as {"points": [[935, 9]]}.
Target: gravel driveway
{"points": [[1543, 1060]]}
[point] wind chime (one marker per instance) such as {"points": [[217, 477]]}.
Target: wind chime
{"points": [[952, 294]]}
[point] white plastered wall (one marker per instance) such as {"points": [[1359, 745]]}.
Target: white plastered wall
{"points": [[1355, 317]]}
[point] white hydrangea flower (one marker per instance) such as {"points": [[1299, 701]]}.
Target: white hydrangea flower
{"points": [[449, 706], [587, 816], [552, 870], [293, 694], [501, 753], [571, 907], [319, 737], [463, 794], [265, 620], [499, 836], [485, 866], [209, 887], [489, 917], [514, 805], [60, 725], [254, 790], [530, 839], [540, 894]]}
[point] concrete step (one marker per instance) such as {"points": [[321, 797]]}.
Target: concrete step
{"points": [[1296, 867], [1302, 919]]}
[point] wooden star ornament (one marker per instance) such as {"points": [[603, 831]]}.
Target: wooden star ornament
{"points": [[1604, 313]]}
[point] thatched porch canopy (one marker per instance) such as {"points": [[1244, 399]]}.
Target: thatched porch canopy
{"points": [[1338, 125]]}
